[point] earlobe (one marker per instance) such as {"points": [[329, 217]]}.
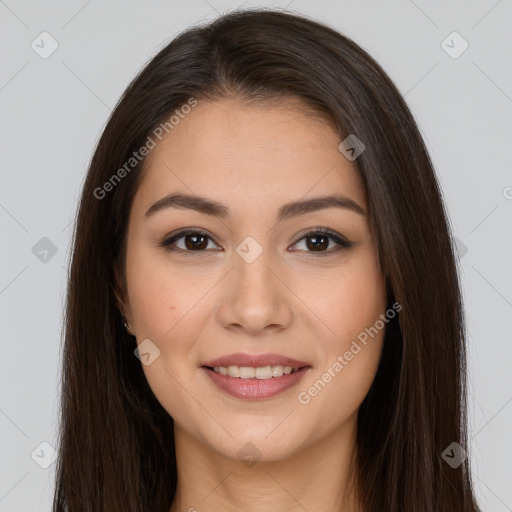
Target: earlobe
{"points": [[119, 291], [122, 310]]}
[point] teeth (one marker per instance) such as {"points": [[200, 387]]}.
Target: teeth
{"points": [[263, 372], [233, 371], [277, 371], [246, 372], [260, 372]]}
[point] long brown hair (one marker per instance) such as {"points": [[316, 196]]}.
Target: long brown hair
{"points": [[116, 450]]}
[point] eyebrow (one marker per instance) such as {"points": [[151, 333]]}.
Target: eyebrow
{"points": [[216, 209]]}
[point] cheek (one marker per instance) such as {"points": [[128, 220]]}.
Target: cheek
{"points": [[167, 310], [162, 296], [348, 302], [351, 306], [337, 387]]}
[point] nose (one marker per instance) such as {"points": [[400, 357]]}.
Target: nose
{"points": [[255, 298]]}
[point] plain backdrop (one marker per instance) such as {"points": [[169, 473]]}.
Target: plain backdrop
{"points": [[53, 109]]}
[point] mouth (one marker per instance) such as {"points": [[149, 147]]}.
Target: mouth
{"points": [[255, 377], [251, 372]]}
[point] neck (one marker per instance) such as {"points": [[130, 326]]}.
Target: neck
{"points": [[316, 478]]}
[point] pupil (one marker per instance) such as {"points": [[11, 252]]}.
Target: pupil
{"points": [[316, 245], [194, 245]]}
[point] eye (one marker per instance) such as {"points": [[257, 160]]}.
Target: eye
{"points": [[193, 241], [318, 241]]}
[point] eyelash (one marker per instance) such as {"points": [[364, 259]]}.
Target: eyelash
{"points": [[341, 241]]}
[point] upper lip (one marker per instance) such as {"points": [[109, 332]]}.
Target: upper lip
{"points": [[255, 360]]}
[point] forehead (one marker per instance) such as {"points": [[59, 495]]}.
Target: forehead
{"points": [[265, 154]]}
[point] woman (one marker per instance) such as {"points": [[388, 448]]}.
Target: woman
{"points": [[263, 309]]}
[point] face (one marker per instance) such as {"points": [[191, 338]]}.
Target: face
{"points": [[246, 283]]}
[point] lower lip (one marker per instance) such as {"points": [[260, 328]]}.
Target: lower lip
{"points": [[255, 389]]}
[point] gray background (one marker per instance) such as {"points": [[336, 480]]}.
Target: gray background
{"points": [[53, 110]]}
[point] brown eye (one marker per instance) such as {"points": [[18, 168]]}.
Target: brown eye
{"points": [[320, 240], [316, 243], [193, 241]]}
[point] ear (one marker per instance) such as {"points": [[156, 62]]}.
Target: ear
{"points": [[120, 292]]}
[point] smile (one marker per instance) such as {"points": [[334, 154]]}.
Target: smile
{"points": [[250, 372], [255, 376], [258, 387]]}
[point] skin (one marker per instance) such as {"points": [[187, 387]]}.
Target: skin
{"points": [[306, 304]]}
